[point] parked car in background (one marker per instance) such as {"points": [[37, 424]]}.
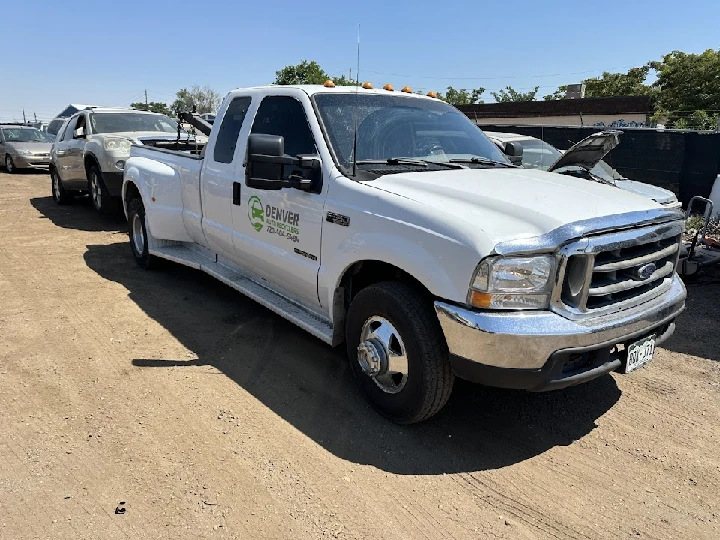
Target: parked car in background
{"points": [[209, 118], [92, 145], [23, 147], [585, 159], [54, 125]]}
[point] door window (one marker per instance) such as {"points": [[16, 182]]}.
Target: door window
{"points": [[285, 116], [232, 122], [70, 129]]}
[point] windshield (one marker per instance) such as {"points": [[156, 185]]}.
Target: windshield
{"points": [[23, 134], [400, 127], [125, 122], [606, 172], [538, 154]]}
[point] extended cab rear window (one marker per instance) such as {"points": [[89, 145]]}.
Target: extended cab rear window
{"points": [[227, 137]]}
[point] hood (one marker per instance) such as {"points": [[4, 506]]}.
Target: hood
{"points": [[657, 194], [588, 152], [34, 147], [139, 136], [508, 204]]}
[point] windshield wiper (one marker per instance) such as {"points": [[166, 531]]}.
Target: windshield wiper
{"points": [[482, 161], [410, 161]]}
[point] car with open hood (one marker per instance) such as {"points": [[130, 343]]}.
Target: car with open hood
{"points": [[584, 159]]}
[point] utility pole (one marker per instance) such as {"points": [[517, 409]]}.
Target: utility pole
{"points": [[24, 119], [35, 116], [146, 103]]}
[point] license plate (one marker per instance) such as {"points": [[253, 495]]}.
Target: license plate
{"points": [[640, 353]]}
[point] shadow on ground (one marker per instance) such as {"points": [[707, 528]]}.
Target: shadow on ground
{"points": [[309, 384], [698, 328], [79, 214]]}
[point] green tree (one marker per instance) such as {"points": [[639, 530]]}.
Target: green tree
{"points": [[696, 120], [202, 100], [462, 96], [303, 73], [557, 94], [609, 84], [631, 83], [153, 106], [688, 84], [309, 73], [510, 94]]}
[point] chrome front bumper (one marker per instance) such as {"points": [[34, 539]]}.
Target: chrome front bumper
{"points": [[528, 340]]}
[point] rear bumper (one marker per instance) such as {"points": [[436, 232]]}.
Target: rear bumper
{"points": [[544, 351]]}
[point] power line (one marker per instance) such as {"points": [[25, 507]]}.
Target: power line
{"points": [[494, 78]]}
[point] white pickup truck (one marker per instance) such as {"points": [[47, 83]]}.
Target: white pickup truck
{"points": [[388, 221]]}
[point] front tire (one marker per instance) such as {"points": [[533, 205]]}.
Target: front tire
{"points": [[10, 164], [398, 352], [139, 238], [60, 195], [98, 192]]}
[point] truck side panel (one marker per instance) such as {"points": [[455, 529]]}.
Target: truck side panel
{"points": [[159, 185]]}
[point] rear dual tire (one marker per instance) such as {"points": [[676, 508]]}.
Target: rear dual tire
{"points": [[139, 237]]}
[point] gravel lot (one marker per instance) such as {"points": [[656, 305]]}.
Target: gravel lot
{"points": [[204, 415]]}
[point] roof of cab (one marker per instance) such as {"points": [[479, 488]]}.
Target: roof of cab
{"points": [[313, 89]]}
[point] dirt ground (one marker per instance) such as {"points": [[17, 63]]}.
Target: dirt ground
{"points": [[204, 415]]}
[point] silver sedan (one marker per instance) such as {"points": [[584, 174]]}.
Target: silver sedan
{"points": [[24, 147]]}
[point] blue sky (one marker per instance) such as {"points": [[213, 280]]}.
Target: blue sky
{"points": [[109, 53]]}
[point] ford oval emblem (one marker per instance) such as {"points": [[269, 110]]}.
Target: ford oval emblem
{"points": [[646, 270]]}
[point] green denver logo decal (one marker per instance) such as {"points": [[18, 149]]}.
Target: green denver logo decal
{"points": [[256, 213]]}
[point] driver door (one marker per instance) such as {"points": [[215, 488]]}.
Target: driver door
{"points": [[277, 233]]}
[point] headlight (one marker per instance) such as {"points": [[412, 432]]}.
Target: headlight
{"points": [[116, 144], [23, 152], [513, 283]]}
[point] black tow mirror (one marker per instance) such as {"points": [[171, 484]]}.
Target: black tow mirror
{"points": [[262, 170], [266, 161], [514, 151]]}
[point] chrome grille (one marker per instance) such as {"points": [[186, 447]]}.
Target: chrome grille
{"points": [[609, 272]]}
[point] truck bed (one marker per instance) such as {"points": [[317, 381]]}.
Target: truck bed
{"points": [[185, 150]]}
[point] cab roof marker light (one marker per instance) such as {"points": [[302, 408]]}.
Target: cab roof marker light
{"points": [[367, 85], [329, 84], [389, 87], [406, 89]]}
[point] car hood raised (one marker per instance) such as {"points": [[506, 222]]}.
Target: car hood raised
{"points": [[657, 194], [588, 152], [509, 204], [34, 147], [139, 136]]}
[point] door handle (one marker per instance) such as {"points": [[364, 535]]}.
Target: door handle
{"points": [[236, 193]]}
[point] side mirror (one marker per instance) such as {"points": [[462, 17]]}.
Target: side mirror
{"points": [[514, 152], [264, 170], [266, 160], [79, 133]]}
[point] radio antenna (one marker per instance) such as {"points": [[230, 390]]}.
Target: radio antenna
{"points": [[357, 85]]}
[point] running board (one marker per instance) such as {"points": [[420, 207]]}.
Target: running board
{"points": [[308, 321]]}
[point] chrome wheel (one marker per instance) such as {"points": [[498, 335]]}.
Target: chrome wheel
{"points": [[382, 355], [56, 186], [95, 191], [138, 236]]}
